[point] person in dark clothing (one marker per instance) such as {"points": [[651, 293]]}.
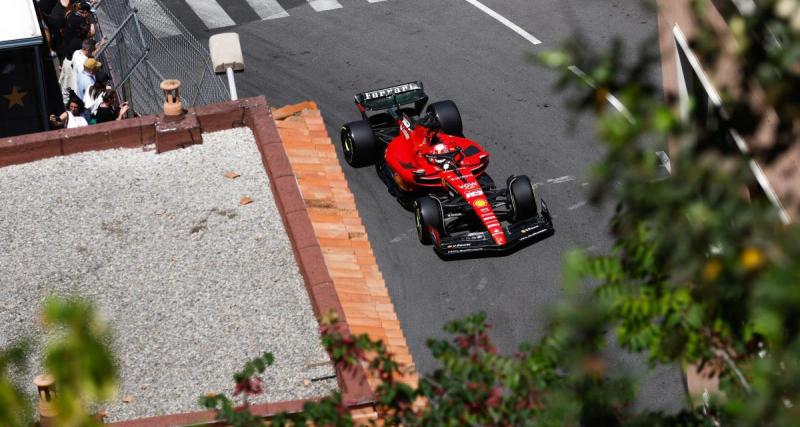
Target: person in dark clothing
{"points": [[106, 112], [77, 27], [56, 20], [42, 16], [46, 6]]}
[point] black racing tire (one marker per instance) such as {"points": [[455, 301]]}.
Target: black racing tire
{"points": [[446, 113], [427, 213], [358, 144], [522, 195]]}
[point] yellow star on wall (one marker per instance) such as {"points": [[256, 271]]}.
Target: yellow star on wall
{"points": [[15, 97]]}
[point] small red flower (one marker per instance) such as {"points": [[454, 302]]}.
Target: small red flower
{"points": [[250, 387]]}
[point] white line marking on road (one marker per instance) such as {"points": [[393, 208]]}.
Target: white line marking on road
{"points": [[514, 27], [664, 158], [268, 9], [375, 1], [609, 97], [577, 205], [323, 5], [561, 179], [211, 13], [403, 236], [153, 17]]}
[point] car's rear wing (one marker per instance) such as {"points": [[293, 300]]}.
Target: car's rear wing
{"points": [[382, 99]]}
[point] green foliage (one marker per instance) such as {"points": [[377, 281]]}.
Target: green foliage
{"points": [[14, 408], [78, 357], [248, 384], [699, 273]]}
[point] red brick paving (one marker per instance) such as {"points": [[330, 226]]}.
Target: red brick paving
{"points": [[339, 230]]}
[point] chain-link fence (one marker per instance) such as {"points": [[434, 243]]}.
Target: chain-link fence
{"points": [[147, 44]]}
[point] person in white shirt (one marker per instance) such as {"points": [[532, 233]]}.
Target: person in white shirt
{"points": [[79, 58], [93, 96], [71, 118], [87, 77], [73, 66]]}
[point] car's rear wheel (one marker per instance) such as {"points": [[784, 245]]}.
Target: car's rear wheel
{"points": [[446, 113], [358, 144], [427, 217], [522, 195]]}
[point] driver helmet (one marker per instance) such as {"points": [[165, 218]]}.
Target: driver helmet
{"points": [[439, 149]]}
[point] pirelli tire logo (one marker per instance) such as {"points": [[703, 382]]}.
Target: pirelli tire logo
{"points": [[394, 90]]}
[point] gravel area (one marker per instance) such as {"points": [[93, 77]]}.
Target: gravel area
{"points": [[192, 282]]}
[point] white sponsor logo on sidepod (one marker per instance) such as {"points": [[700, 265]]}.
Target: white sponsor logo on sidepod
{"points": [[468, 186], [475, 193]]}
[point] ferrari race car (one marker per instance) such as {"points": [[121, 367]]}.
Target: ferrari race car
{"points": [[433, 170]]}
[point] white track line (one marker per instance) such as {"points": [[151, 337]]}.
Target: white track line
{"points": [[559, 180], [211, 13], [268, 9], [527, 36], [514, 27], [154, 18], [616, 103], [664, 158], [323, 5]]}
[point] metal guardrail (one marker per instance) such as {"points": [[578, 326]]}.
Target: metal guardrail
{"points": [[698, 96], [147, 44]]}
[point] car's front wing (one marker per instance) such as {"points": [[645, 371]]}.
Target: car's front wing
{"points": [[517, 233]]}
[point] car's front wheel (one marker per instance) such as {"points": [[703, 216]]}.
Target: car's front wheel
{"points": [[427, 218], [522, 195], [358, 144]]}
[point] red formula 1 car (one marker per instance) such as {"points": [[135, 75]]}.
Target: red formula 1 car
{"points": [[432, 169]]}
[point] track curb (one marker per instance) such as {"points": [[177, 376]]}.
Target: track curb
{"points": [[350, 265]]}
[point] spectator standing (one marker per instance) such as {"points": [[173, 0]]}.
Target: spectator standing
{"points": [[75, 30], [89, 49], [55, 22], [43, 9], [68, 79], [46, 7], [87, 77], [94, 94], [79, 57], [107, 112], [77, 27], [71, 118]]}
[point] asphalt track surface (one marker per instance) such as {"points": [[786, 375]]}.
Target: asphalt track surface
{"points": [[507, 105]]}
